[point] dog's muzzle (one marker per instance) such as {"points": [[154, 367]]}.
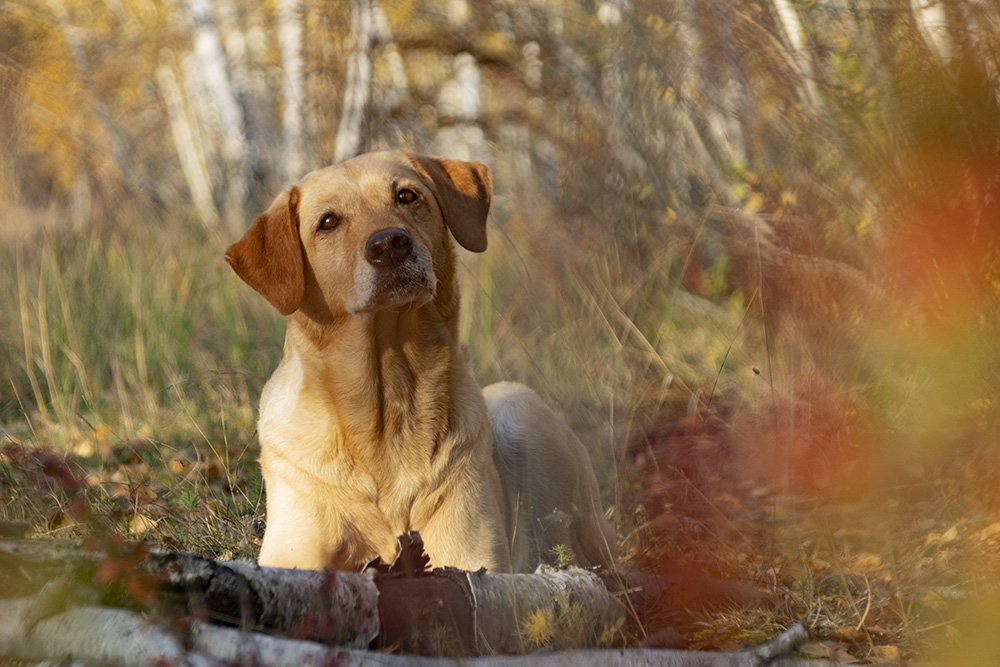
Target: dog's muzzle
{"points": [[398, 269]]}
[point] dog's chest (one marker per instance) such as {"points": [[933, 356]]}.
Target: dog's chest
{"points": [[374, 452]]}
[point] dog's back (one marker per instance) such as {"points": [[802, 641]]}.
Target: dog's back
{"points": [[550, 491]]}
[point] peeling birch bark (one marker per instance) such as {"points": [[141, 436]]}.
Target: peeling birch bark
{"points": [[334, 607], [91, 634]]}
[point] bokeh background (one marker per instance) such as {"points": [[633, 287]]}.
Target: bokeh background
{"points": [[750, 249]]}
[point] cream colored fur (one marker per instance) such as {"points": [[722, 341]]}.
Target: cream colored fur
{"points": [[373, 425]]}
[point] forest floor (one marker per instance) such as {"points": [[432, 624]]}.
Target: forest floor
{"points": [[885, 562], [879, 572]]}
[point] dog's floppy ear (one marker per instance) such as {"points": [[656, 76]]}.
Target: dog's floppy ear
{"points": [[463, 191], [269, 256]]}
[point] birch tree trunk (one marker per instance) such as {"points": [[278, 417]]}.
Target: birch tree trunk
{"points": [[234, 51], [687, 139], [293, 159], [932, 23], [188, 146], [726, 99], [792, 28], [459, 104], [351, 133], [235, 151], [618, 118]]}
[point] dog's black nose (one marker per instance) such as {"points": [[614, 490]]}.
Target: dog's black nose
{"points": [[388, 247]]}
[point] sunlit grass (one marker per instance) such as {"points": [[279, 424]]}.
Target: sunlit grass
{"points": [[130, 329], [135, 353], [139, 357]]}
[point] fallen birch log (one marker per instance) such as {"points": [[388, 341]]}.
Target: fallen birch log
{"points": [[101, 635], [440, 612], [477, 612]]}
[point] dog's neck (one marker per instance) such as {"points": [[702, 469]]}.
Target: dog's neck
{"points": [[394, 372]]}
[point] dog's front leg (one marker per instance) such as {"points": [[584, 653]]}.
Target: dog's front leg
{"points": [[466, 530], [294, 536]]}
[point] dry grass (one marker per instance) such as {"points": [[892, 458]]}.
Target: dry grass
{"points": [[133, 364]]}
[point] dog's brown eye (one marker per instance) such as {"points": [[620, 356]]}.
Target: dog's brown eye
{"points": [[406, 196], [328, 222]]}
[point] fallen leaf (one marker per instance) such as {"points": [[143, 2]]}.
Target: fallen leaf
{"points": [[116, 488], [140, 523], [102, 431], [885, 654], [754, 203], [214, 469], [829, 650], [820, 565], [140, 469], [57, 518], [849, 633], [142, 494], [933, 600], [868, 562], [989, 532], [84, 449], [877, 631]]}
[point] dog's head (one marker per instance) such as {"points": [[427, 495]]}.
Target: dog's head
{"points": [[363, 235]]}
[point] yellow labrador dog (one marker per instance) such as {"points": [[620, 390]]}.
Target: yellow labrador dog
{"points": [[373, 425]]}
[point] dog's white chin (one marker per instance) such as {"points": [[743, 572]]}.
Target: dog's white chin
{"points": [[419, 295], [411, 285]]}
